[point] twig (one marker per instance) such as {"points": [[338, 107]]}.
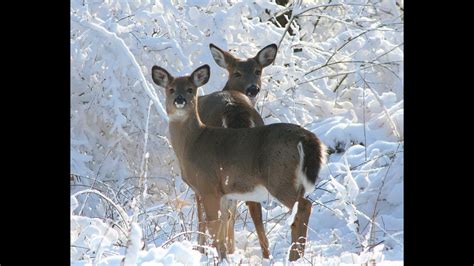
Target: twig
{"points": [[142, 182], [323, 189], [294, 16], [315, 7], [389, 51], [333, 75], [98, 250], [98, 171], [180, 234], [286, 30], [97, 181], [346, 43], [374, 245], [122, 213], [372, 236], [340, 82], [113, 36], [323, 183], [333, 18], [384, 109], [363, 117], [319, 17], [283, 215], [371, 62], [129, 16]]}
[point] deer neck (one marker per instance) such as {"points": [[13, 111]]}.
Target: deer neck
{"points": [[184, 131], [226, 87]]}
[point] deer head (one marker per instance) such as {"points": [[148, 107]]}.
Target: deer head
{"points": [[245, 75], [180, 92]]}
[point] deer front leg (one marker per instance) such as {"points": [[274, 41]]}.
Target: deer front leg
{"points": [[226, 234], [213, 220], [299, 229], [201, 224], [232, 209], [255, 209]]}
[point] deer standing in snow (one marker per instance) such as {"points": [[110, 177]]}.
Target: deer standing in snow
{"points": [[233, 107], [222, 164]]}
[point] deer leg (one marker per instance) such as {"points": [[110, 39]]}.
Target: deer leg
{"points": [[299, 228], [227, 210], [214, 224], [255, 209], [201, 224], [232, 209]]}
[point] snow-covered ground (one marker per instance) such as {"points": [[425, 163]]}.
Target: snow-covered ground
{"points": [[339, 74]]}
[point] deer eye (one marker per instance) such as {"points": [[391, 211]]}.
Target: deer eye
{"points": [[171, 90], [258, 72], [237, 75], [190, 90]]}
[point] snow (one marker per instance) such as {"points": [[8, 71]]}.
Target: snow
{"points": [[133, 247], [179, 253], [342, 79], [291, 219]]}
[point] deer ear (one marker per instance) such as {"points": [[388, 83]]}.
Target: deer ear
{"points": [[201, 75], [267, 55], [160, 76], [222, 58]]}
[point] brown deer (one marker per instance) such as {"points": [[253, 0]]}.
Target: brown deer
{"points": [[244, 75], [231, 108], [240, 163]]}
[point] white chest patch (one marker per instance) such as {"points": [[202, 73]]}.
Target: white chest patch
{"points": [[259, 194], [253, 100], [178, 115]]}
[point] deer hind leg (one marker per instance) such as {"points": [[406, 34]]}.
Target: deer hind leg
{"points": [[232, 210], [214, 224], [299, 228], [255, 209], [201, 224]]}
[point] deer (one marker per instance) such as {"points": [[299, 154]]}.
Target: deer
{"points": [[249, 164], [233, 107]]}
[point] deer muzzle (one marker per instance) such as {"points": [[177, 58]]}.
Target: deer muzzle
{"points": [[252, 91], [179, 102]]}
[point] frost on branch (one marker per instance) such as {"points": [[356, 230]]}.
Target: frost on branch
{"points": [[338, 73]]}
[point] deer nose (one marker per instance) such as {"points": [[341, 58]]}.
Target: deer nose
{"points": [[252, 91], [180, 101]]}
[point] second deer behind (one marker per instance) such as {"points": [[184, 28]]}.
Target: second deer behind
{"points": [[233, 107]]}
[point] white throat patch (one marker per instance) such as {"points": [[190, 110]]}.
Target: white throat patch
{"points": [[178, 115], [253, 100]]}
